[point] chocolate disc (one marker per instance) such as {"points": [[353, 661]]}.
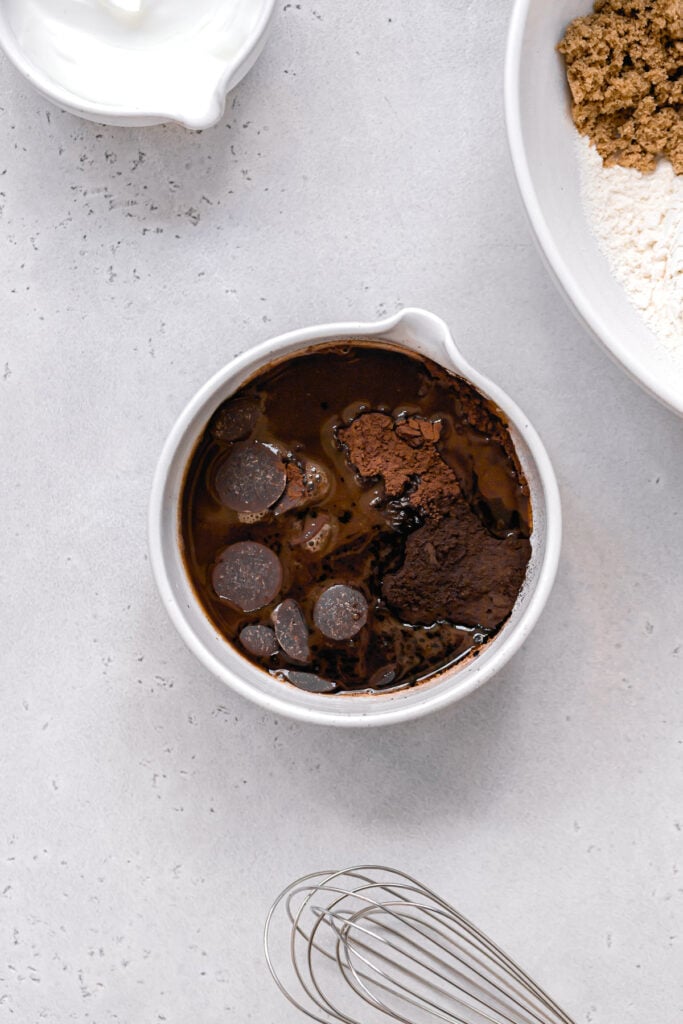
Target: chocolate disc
{"points": [[251, 478], [310, 682], [291, 630], [235, 420], [316, 533], [259, 641], [340, 612], [248, 576], [382, 677]]}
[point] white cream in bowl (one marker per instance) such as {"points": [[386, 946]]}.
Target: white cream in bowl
{"points": [[136, 60]]}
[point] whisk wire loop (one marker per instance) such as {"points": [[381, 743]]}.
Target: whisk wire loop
{"points": [[425, 967], [371, 944]]}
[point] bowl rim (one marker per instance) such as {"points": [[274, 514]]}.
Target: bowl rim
{"points": [[62, 96], [591, 318], [425, 701]]}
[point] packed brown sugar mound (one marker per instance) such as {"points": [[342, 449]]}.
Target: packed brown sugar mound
{"points": [[625, 70]]}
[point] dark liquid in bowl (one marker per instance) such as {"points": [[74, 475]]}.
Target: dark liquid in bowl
{"points": [[380, 499]]}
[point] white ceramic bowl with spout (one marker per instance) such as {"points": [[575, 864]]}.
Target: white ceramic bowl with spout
{"points": [[415, 331], [141, 78]]}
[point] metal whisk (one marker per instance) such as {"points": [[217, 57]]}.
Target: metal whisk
{"points": [[370, 943]]}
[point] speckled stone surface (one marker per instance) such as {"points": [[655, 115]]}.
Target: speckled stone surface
{"points": [[147, 815]]}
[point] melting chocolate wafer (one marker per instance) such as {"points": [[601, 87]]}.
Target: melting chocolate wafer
{"points": [[259, 641], [310, 682], [251, 478], [235, 420], [340, 612], [291, 630], [248, 575], [316, 533], [382, 677]]}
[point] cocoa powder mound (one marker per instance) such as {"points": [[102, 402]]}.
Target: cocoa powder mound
{"points": [[455, 569], [403, 453]]}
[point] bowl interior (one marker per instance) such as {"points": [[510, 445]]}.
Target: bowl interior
{"points": [[543, 142], [224, 659], [180, 75]]}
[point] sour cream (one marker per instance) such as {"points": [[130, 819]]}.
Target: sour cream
{"points": [[152, 56]]}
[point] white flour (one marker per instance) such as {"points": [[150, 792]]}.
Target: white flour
{"points": [[638, 222]]}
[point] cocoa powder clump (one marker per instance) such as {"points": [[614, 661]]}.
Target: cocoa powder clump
{"points": [[403, 453], [455, 569]]}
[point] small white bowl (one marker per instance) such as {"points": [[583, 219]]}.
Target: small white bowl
{"points": [[416, 331], [543, 144], [201, 105]]}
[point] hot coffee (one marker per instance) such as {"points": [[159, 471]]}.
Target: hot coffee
{"points": [[355, 518]]}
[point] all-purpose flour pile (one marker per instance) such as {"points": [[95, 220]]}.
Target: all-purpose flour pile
{"points": [[638, 222], [625, 73]]}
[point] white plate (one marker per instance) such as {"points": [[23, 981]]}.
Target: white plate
{"points": [[542, 140]]}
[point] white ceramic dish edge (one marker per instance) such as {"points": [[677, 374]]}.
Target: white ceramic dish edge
{"points": [[655, 383], [410, 328], [197, 119]]}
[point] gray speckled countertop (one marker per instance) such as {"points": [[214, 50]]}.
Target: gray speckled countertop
{"points": [[148, 815]]}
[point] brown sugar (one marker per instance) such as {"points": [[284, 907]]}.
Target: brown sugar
{"points": [[625, 71]]}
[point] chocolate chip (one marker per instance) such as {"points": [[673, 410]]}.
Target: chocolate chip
{"points": [[340, 612], [382, 677], [312, 526], [291, 630], [248, 576], [235, 420], [311, 683], [316, 534], [259, 641], [251, 478]]}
